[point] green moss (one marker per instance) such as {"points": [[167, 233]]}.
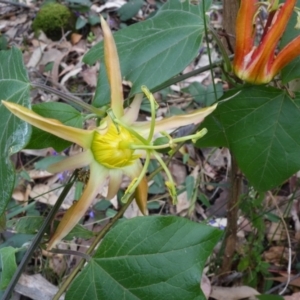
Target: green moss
{"points": [[52, 18]]}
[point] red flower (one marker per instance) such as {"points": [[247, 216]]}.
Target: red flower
{"points": [[259, 64]]}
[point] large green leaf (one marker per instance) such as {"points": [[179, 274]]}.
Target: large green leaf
{"points": [[148, 258], [261, 126], [14, 87], [292, 70], [155, 50], [59, 111]]}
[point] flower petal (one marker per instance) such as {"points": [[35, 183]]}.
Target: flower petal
{"points": [[286, 55], [244, 33], [113, 70], [72, 162], [115, 180], [194, 117], [263, 57], [132, 112], [97, 176], [75, 135], [141, 193]]}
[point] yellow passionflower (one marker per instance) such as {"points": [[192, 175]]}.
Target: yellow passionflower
{"points": [[115, 147]]}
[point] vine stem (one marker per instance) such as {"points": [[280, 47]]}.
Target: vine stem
{"points": [[230, 238], [35, 243], [91, 249]]}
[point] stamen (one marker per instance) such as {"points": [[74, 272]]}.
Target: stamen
{"points": [[113, 149], [136, 181]]}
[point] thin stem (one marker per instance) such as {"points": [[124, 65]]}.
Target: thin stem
{"points": [[35, 243], [71, 99], [132, 187], [209, 53], [91, 249], [230, 238], [153, 111], [180, 78]]}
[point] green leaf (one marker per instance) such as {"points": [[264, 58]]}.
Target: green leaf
{"points": [[61, 112], [148, 258], [14, 87], [189, 185], [204, 95], [130, 9], [80, 23], [2, 223], [269, 297], [158, 185], [292, 70], [261, 127], [155, 50], [9, 265]]}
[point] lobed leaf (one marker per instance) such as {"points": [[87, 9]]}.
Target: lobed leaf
{"points": [[261, 127]]}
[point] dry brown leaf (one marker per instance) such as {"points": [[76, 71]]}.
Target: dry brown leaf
{"points": [[232, 293], [21, 193], [76, 70], [276, 232], [295, 296], [183, 204], [276, 255], [216, 157], [295, 282], [38, 174], [205, 286], [219, 208], [58, 264], [90, 76], [36, 287], [132, 211], [36, 55], [75, 38], [178, 170], [209, 171], [38, 152], [49, 194]]}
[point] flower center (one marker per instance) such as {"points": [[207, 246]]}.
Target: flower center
{"points": [[112, 149]]}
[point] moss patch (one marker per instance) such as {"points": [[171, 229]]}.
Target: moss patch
{"points": [[52, 18]]}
